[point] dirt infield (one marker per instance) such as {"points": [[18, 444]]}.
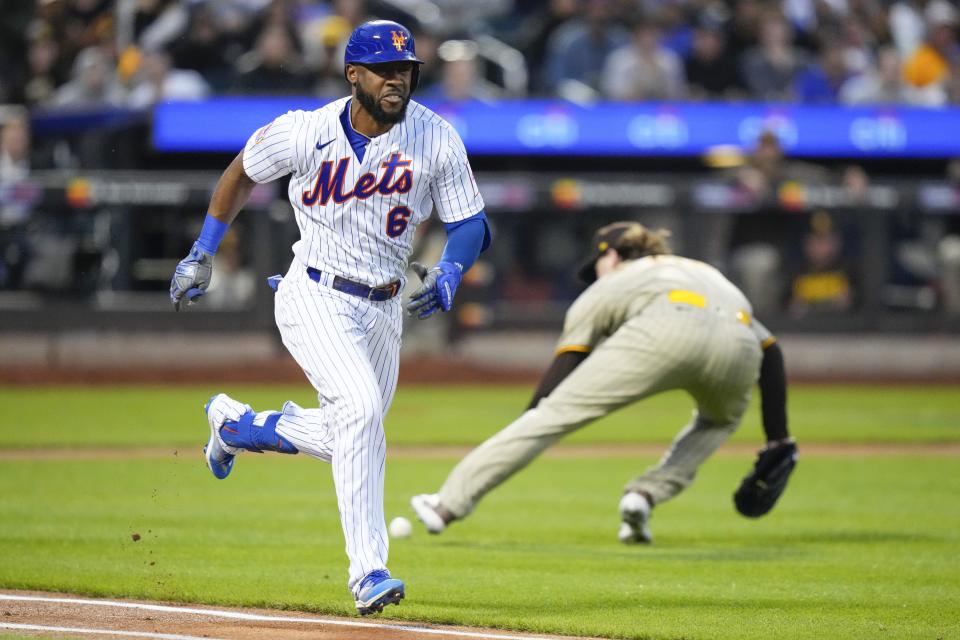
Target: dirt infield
{"points": [[54, 615]]}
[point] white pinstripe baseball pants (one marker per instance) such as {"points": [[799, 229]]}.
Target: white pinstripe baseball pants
{"points": [[349, 349]]}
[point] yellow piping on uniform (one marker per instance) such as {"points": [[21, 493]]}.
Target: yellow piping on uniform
{"points": [[687, 297], [575, 348], [769, 341]]}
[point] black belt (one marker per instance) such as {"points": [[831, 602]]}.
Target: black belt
{"points": [[377, 294]]}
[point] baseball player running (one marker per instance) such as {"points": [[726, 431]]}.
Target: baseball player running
{"points": [[650, 322], [364, 170]]}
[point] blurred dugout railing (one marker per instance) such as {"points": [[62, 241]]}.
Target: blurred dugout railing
{"points": [[98, 249]]}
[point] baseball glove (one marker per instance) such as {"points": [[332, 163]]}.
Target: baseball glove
{"points": [[762, 487]]}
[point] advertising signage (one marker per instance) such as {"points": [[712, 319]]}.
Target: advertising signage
{"points": [[551, 127]]}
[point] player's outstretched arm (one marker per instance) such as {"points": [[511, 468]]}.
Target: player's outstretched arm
{"points": [[192, 275], [767, 480], [773, 394], [563, 365]]}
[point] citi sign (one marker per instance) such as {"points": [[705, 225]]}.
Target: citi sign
{"points": [[882, 133], [661, 131]]}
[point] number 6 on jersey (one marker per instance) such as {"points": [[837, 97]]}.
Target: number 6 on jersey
{"points": [[397, 219]]}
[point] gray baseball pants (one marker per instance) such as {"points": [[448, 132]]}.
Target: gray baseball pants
{"points": [[715, 358]]}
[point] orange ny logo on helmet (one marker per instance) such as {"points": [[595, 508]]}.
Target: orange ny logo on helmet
{"points": [[399, 40]]}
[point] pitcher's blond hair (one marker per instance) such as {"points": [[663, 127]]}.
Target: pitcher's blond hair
{"points": [[638, 241]]}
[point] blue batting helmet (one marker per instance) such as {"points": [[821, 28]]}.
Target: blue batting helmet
{"points": [[380, 41]]}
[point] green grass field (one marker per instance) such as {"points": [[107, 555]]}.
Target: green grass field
{"points": [[859, 547]]}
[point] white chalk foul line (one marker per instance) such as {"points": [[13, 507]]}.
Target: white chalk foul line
{"points": [[99, 632], [256, 617]]}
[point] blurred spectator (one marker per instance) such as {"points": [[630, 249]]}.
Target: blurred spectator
{"points": [[802, 14], [675, 26], [907, 25], [467, 17], [460, 74], [873, 17], [767, 167], [92, 83], [233, 16], [535, 32], [744, 26], [856, 184], [44, 73], [883, 85], [823, 281], [83, 24], [325, 30], [578, 50], [756, 240], [13, 32], [14, 215], [771, 68], [327, 40], [643, 69], [712, 73], [273, 67], [820, 82], [159, 82], [859, 46], [205, 49], [929, 66], [157, 23]]}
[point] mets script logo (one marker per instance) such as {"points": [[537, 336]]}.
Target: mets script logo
{"points": [[330, 182], [262, 134], [399, 40]]}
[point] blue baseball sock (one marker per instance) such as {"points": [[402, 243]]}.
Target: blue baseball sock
{"points": [[247, 434]]}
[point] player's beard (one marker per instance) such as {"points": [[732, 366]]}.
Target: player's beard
{"points": [[372, 106]]}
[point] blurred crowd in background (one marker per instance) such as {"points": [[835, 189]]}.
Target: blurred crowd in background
{"points": [[91, 54], [75, 53]]}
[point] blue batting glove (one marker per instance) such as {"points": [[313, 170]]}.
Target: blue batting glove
{"points": [[191, 277], [437, 289]]}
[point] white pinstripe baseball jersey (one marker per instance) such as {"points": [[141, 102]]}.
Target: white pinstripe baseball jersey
{"points": [[357, 202], [357, 218]]}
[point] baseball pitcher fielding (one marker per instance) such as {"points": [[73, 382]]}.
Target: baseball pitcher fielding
{"points": [[649, 322]]}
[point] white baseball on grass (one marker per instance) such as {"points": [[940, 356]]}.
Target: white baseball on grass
{"points": [[400, 527]]}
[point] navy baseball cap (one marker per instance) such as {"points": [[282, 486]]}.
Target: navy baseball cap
{"points": [[605, 238]]}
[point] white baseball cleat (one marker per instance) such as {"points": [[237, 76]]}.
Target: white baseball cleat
{"points": [[635, 515], [220, 456], [425, 506]]}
